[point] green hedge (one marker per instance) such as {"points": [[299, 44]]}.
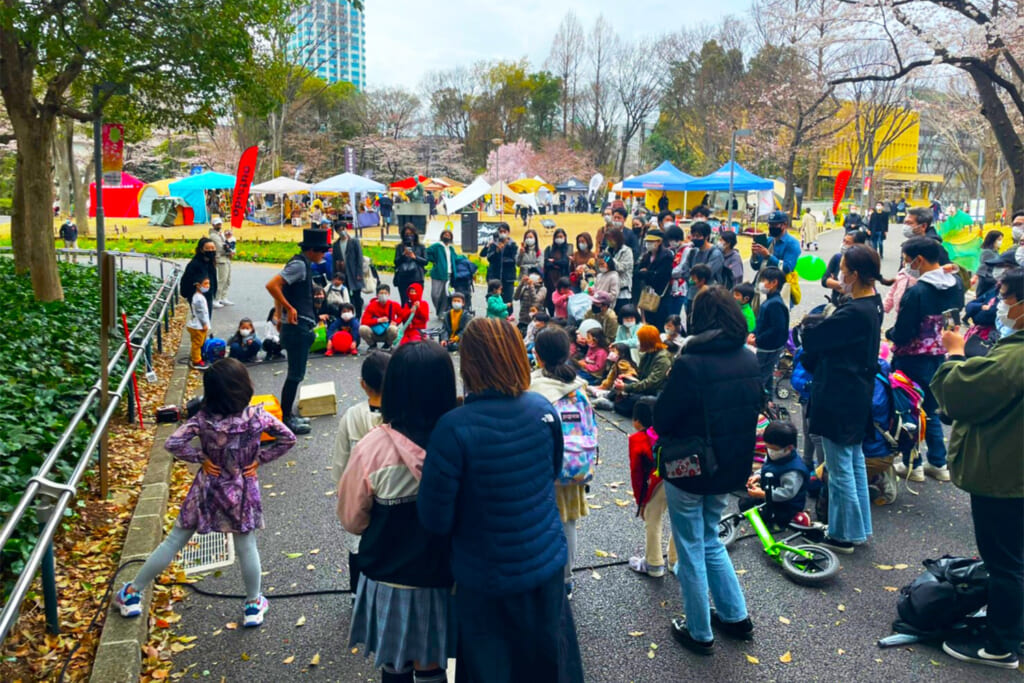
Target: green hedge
{"points": [[50, 360]]}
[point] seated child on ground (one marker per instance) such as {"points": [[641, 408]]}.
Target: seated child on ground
{"points": [[672, 337], [787, 472], [343, 334], [496, 306], [454, 322], [620, 364], [592, 365], [628, 326], [648, 490], [244, 344], [272, 337]]}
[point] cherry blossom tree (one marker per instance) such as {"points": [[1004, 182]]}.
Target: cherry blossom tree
{"points": [[982, 38], [510, 161]]}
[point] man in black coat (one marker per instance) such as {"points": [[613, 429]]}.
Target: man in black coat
{"points": [[878, 226], [501, 253]]}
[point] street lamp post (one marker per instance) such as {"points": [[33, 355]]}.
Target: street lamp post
{"points": [[497, 142], [741, 133]]}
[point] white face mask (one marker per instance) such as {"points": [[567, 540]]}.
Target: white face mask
{"points": [[1018, 256], [582, 246], [1003, 315], [908, 231], [763, 288], [559, 240], [613, 357], [913, 272], [652, 246], [204, 290], [608, 219], [534, 278], [456, 305], [529, 241], [1018, 232], [382, 298], [847, 285], [347, 316], [629, 323], [776, 453], [617, 224], [244, 332]]}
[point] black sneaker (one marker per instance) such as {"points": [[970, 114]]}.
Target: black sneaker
{"points": [[740, 630], [683, 637], [844, 547], [973, 650], [298, 428]]}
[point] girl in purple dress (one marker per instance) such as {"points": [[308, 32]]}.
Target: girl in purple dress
{"points": [[225, 495]]}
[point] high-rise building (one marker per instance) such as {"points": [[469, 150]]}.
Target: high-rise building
{"points": [[330, 40]]}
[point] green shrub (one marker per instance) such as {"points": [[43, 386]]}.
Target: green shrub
{"points": [[50, 360]]}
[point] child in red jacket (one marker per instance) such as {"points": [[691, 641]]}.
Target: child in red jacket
{"points": [[419, 310], [648, 491]]}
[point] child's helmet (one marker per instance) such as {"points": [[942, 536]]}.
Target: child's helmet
{"points": [[802, 519]]}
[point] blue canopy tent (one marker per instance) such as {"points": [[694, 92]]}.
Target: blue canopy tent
{"points": [[670, 180], [742, 180], [193, 190]]}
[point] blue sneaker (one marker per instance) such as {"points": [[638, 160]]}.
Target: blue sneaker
{"points": [[254, 612], [130, 604]]}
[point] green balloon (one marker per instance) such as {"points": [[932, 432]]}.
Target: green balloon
{"points": [[810, 267]]}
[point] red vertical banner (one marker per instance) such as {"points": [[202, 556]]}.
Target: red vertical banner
{"points": [[112, 141], [243, 181], [839, 191]]}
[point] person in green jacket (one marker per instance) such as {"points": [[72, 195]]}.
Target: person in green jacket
{"points": [[655, 362], [442, 272], [744, 294], [984, 396], [496, 306]]}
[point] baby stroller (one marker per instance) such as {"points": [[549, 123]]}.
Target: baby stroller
{"points": [[465, 271]]}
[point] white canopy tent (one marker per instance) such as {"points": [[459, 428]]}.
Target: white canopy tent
{"points": [[348, 182], [281, 185], [479, 188]]}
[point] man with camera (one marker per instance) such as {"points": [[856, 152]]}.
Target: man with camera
{"points": [[501, 253]]}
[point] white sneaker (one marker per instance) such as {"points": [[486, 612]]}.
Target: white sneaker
{"points": [[917, 474], [217, 304], [227, 303], [900, 467], [937, 473]]}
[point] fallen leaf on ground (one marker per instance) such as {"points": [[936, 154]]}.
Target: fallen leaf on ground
{"points": [[601, 553], [784, 620], [841, 608], [314, 551], [288, 660], [292, 556], [934, 663], [301, 621], [900, 566], [786, 658], [891, 589], [650, 654], [594, 575], [621, 503], [884, 567], [741, 572], [310, 567], [636, 634], [841, 651], [245, 657], [231, 625], [316, 660], [594, 507], [751, 659]]}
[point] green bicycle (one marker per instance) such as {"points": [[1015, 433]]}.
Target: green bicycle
{"points": [[807, 564]]}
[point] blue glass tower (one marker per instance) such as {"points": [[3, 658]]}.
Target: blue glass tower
{"points": [[330, 40]]}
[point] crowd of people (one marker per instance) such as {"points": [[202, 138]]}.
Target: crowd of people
{"points": [[486, 492]]}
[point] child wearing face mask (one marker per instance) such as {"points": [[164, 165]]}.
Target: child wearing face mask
{"points": [[629, 324], [199, 322], [530, 293], [560, 298], [343, 334], [272, 337], [592, 367], [244, 344], [620, 365], [744, 294], [673, 334], [787, 473], [454, 323]]}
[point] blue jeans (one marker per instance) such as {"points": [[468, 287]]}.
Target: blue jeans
{"points": [[849, 507], [877, 240], [921, 369], [703, 562], [245, 352]]}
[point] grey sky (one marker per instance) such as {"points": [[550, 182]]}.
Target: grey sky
{"points": [[405, 39]]}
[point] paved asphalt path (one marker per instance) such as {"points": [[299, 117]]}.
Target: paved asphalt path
{"points": [[829, 633]]}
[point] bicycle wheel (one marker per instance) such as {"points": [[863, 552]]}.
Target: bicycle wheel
{"points": [[821, 567], [728, 528]]}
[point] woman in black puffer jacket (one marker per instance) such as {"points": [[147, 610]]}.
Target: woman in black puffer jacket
{"points": [[713, 389]]}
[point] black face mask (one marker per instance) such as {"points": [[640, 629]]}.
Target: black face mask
{"points": [[209, 255], [446, 240], [596, 308], [698, 242], [774, 231]]}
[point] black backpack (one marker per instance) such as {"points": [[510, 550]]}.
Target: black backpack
{"points": [[949, 591]]}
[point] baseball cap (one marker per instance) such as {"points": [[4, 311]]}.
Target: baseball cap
{"points": [[778, 217]]}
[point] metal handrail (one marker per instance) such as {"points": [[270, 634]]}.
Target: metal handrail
{"points": [[52, 498]]}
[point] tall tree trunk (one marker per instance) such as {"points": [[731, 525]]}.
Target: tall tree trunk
{"points": [[19, 226], [35, 184], [813, 162], [1009, 140], [789, 200], [61, 164], [81, 195]]}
